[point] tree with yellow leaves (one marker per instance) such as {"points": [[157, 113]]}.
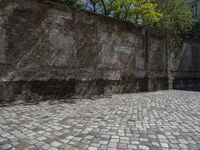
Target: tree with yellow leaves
{"points": [[128, 10]]}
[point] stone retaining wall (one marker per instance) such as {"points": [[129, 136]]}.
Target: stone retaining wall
{"points": [[47, 48]]}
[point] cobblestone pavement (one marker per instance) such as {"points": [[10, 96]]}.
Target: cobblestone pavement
{"points": [[160, 120]]}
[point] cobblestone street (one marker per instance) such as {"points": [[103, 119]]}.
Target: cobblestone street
{"points": [[160, 120]]}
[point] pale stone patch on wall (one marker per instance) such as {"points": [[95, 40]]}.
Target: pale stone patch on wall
{"points": [[112, 75], [115, 60], [108, 56], [157, 54], [123, 49], [59, 17], [61, 41], [64, 42], [140, 63], [140, 73]]}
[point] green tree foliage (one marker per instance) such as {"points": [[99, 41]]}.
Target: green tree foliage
{"points": [[177, 16], [137, 10], [128, 10], [174, 16]]}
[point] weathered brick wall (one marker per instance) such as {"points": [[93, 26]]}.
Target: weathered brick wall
{"points": [[48, 48]]}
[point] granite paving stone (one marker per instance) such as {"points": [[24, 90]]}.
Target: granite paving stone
{"points": [[147, 121]]}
